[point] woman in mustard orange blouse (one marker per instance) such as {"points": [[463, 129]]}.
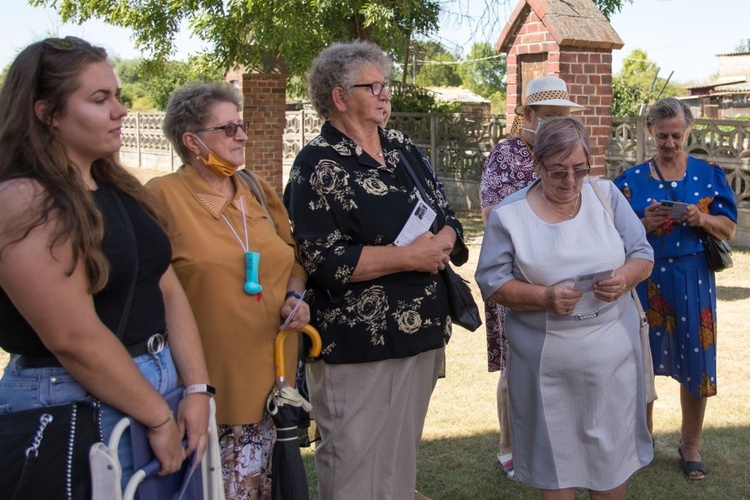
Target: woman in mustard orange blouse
{"points": [[236, 259]]}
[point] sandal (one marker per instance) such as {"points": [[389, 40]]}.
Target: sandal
{"points": [[689, 467], [506, 464]]}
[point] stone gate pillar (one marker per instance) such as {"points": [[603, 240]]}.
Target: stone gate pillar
{"points": [[264, 107], [570, 39]]}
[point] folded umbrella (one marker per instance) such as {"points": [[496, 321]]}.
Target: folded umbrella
{"points": [[289, 481]]}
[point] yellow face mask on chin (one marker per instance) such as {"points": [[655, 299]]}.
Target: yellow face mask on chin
{"points": [[216, 163]]}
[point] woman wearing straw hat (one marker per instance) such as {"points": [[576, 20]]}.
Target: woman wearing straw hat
{"points": [[510, 168]]}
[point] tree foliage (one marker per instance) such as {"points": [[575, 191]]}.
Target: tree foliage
{"points": [[637, 84], [146, 85], [483, 72], [434, 65], [259, 34], [743, 46]]}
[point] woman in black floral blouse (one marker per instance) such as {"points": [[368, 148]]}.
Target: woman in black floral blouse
{"points": [[381, 309]]}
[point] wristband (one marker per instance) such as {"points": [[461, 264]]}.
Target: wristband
{"points": [[293, 293], [199, 389], [155, 427]]}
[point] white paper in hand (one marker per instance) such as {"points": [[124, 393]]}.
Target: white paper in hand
{"points": [[419, 221], [585, 282]]}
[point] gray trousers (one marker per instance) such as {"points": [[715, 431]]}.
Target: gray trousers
{"points": [[370, 417]]}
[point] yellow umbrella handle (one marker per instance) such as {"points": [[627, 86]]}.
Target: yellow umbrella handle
{"points": [[278, 348]]}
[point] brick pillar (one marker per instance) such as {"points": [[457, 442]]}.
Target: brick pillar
{"points": [[588, 74], [569, 39], [264, 107]]}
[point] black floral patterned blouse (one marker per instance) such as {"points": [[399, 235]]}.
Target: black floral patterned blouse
{"points": [[339, 200]]}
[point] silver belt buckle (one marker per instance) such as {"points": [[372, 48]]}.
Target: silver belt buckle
{"points": [[585, 316], [155, 344]]}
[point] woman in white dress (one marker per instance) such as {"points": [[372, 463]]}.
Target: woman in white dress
{"points": [[577, 394]]}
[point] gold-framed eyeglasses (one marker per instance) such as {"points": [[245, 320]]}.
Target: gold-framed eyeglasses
{"points": [[560, 174], [230, 129], [376, 88]]}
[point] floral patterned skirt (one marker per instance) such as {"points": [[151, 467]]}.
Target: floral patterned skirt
{"points": [[497, 340], [246, 452], [680, 302]]}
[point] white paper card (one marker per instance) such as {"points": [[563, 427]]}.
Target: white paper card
{"points": [[419, 221], [585, 282]]}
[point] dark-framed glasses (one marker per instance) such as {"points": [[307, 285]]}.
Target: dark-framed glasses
{"points": [[376, 88], [560, 174], [230, 129]]}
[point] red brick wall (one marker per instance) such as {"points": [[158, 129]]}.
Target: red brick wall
{"points": [[586, 70], [264, 108]]}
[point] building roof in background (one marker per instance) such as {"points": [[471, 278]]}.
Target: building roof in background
{"points": [[731, 54], [572, 23], [457, 94], [722, 80]]}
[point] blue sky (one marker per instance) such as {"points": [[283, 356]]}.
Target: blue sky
{"points": [[683, 36]]}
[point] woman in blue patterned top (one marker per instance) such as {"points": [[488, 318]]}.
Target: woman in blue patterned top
{"points": [[680, 295]]}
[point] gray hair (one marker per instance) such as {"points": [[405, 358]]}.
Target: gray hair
{"points": [[669, 107], [561, 134], [189, 108], [339, 66]]}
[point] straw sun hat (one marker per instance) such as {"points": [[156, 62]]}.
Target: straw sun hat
{"points": [[547, 91]]}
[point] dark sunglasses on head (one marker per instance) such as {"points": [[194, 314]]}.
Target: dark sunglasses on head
{"points": [[230, 129], [67, 43]]}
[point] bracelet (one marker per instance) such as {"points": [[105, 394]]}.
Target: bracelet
{"points": [[156, 427], [293, 293], [199, 389]]}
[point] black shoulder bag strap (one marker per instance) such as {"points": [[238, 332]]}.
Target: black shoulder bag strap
{"points": [[661, 178], [418, 184]]}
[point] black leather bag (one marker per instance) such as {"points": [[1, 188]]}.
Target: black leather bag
{"points": [[44, 453], [718, 252], [463, 309]]}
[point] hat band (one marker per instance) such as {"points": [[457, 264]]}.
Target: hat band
{"points": [[546, 96]]}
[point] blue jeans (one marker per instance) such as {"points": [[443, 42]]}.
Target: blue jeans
{"points": [[26, 388]]}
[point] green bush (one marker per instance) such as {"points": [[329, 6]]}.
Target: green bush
{"points": [[411, 99]]}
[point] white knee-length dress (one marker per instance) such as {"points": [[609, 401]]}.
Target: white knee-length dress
{"points": [[576, 385]]}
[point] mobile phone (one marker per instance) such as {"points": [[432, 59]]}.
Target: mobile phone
{"points": [[676, 208]]}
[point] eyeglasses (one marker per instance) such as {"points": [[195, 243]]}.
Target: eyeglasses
{"points": [[230, 129], [559, 175], [376, 88], [67, 44]]}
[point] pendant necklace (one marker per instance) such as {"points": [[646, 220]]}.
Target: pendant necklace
{"points": [[252, 259], [553, 207]]}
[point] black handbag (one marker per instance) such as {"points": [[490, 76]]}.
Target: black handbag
{"points": [[718, 252], [36, 442], [462, 307]]}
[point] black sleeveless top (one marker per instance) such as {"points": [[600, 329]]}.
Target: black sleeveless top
{"points": [[146, 248]]}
